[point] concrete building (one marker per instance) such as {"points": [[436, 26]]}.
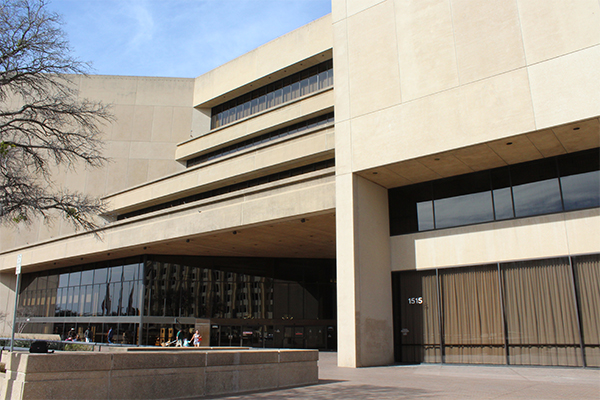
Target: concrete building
{"points": [[401, 180]]}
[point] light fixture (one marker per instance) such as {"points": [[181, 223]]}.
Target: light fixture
{"points": [[576, 128], [509, 143]]}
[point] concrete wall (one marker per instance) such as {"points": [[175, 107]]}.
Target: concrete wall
{"points": [[154, 375], [544, 236], [151, 116], [420, 77], [8, 283], [414, 78]]}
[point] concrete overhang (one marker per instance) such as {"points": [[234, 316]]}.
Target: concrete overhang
{"points": [[568, 138], [294, 219]]}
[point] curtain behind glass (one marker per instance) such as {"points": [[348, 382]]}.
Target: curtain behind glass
{"points": [[472, 316], [540, 313], [418, 331], [587, 270]]}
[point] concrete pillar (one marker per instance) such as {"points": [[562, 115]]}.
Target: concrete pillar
{"points": [[364, 288], [8, 281]]}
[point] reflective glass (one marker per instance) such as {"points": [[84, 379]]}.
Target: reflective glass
{"points": [[580, 179], [295, 90], [425, 215], [116, 274], [581, 191], [463, 200], [101, 275], [63, 280], [87, 277], [502, 194], [535, 188]]}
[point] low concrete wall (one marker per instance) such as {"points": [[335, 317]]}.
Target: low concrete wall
{"points": [[154, 374]]}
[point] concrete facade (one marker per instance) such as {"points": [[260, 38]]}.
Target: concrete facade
{"points": [[423, 90]]}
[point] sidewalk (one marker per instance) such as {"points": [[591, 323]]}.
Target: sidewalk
{"points": [[434, 381]]}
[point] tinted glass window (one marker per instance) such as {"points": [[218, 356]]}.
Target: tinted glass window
{"points": [[463, 200], [535, 188], [411, 209], [502, 194], [569, 182], [580, 180]]}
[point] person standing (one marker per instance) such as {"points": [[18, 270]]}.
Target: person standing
{"points": [[86, 334], [179, 339], [110, 334], [197, 339]]}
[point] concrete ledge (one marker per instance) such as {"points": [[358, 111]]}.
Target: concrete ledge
{"points": [[154, 373]]}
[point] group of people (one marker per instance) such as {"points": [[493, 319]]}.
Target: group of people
{"points": [[73, 336], [182, 341]]}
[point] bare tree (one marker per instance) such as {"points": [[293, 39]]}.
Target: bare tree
{"points": [[43, 123]]}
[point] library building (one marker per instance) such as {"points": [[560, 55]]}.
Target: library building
{"points": [[397, 181]]}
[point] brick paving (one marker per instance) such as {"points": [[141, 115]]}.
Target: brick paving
{"points": [[435, 381]]}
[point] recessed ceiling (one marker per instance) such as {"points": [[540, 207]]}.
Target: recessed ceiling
{"points": [[551, 142], [308, 236]]}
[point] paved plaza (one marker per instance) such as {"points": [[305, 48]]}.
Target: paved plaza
{"points": [[434, 381]]}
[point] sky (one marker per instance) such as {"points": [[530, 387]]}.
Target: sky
{"points": [[176, 38]]}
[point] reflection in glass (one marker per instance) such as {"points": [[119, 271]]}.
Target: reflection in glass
{"points": [[463, 210], [425, 215], [537, 198], [581, 191], [522, 190]]}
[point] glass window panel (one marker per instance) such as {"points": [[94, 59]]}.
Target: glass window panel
{"points": [[101, 275], [42, 282], [535, 188], [406, 215], [239, 112], [463, 210], [130, 272], [463, 200], [76, 302], [117, 300], [63, 280], [87, 277], [322, 77], [587, 272], [86, 292], [247, 108], [270, 99], [262, 103], [313, 84], [116, 274], [502, 193], [254, 106], [278, 97], [417, 328], [425, 215], [304, 87], [329, 78], [540, 313], [581, 191], [75, 279], [472, 316], [295, 90], [287, 96]]}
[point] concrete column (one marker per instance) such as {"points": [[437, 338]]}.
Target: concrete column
{"points": [[8, 281], [364, 288]]}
